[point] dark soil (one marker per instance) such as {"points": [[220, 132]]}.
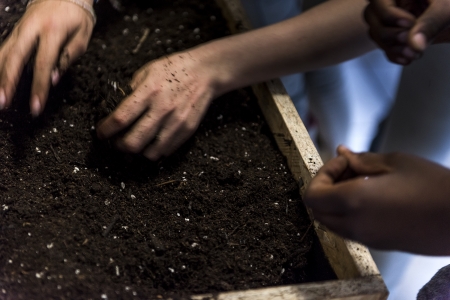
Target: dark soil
{"points": [[79, 220]]}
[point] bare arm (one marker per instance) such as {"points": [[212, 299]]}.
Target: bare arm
{"points": [[325, 35]]}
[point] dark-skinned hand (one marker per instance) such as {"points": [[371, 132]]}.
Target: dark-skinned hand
{"points": [[386, 201]]}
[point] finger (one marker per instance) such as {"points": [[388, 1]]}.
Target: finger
{"points": [[46, 58], [385, 35], [138, 77], [434, 20], [12, 60], [322, 193], [402, 55], [335, 222], [142, 133], [128, 111], [170, 138], [365, 163], [74, 48], [390, 14]]}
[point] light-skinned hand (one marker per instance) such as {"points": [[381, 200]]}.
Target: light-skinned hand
{"points": [[169, 98], [59, 32], [389, 201]]}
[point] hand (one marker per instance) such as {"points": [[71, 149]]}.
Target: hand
{"points": [[169, 98], [390, 201], [404, 29], [59, 32], [389, 27]]}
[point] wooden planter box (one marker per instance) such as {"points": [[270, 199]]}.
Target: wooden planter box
{"points": [[358, 276]]}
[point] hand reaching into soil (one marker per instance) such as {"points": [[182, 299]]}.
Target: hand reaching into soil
{"points": [[169, 98], [404, 29], [59, 32], [387, 201]]}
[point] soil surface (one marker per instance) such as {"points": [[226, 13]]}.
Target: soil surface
{"points": [[79, 220]]}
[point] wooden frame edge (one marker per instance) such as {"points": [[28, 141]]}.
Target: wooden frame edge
{"points": [[367, 288]]}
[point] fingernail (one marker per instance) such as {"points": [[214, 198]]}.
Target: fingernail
{"points": [[402, 37], [404, 23], [2, 99], [35, 106], [342, 148], [55, 77], [408, 52], [420, 41], [401, 60]]}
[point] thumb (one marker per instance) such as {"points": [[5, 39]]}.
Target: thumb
{"points": [[429, 24], [365, 163]]}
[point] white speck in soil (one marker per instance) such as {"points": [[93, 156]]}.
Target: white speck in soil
{"points": [[7, 8], [117, 271], [77, 271], [186, 219], [39, 275], [194, 245], [132, 197], [171, 270], [50, 246], [122, 185], [157, 30]]}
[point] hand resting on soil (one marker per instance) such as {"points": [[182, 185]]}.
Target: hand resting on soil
{"points": [[168, 100]]}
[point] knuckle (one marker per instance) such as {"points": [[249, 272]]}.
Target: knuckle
{"points": [[119, 119]]}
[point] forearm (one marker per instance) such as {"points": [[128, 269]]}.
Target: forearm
{"points": [[325, 35]]}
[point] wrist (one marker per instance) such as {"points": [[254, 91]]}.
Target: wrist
{"points": [[221, 65], [86, 5]]}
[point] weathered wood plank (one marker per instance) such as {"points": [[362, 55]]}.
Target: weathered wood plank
{"points": [[367, 288]]}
